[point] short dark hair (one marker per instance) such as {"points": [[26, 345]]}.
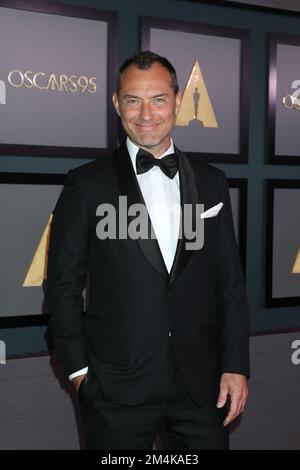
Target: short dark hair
{"points": [[143, 60]]}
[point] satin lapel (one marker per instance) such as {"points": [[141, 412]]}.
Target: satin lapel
{"points": [[129, 187], [188, 195]]}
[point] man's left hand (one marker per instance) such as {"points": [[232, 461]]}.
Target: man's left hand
{"points": [[233, 386]]}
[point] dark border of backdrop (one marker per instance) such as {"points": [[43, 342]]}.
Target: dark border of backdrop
{"points": [[111, 17], [242, 185], [246, 6], [149, 22], [273, 41], [270, 301], [28, 178]]}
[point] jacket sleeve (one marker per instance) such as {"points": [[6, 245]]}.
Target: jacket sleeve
{"points": [[66, 275], [231, 296]]}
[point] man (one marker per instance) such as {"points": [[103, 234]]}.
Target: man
{"points": [[164, 340]]}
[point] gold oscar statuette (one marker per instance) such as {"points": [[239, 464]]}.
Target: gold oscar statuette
{"points": [[196, 104], [296, 267], [37, 271]]}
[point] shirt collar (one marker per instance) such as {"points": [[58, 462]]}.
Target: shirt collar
{"points": [[133, 150]]}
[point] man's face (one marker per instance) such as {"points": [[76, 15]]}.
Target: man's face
{"points": [[147, 106]]}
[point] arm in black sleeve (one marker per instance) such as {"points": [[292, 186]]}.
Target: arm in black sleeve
{"points": [[231, 296], [66, 276]]}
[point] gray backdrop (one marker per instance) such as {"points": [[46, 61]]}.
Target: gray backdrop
{"points": [[287, 121], [219, 60], [24, 209], [62, 45], [286, 242]]}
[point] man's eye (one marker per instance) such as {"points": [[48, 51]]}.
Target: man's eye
{"points": [[159, 100], [131, 101]]}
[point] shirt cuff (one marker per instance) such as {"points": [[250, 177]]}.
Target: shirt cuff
{"points": [[79, 372]]}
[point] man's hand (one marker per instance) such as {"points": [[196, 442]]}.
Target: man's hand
{"points": [[235, 386], [77, 381]]}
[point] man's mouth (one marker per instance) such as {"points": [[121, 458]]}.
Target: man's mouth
{"points": [[147, 127]]}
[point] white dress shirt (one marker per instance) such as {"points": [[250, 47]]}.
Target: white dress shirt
{"points": [[162, 198]]}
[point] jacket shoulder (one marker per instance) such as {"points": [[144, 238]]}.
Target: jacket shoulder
{"points": [[205, 170], [91, 170]]}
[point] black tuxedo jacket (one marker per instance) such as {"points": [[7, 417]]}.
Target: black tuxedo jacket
{"points": [[133, 303]]}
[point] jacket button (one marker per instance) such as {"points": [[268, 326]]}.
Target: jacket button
{"points": [[169, 333]]}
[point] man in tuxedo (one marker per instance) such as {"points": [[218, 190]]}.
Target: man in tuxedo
{"points": [[163, 343]]}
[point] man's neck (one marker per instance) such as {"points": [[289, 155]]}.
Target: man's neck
{"points": [[155, 153]]}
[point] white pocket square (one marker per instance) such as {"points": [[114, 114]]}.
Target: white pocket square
{"points": [[212, 212]]}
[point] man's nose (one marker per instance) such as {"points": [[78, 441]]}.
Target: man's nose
{"points": [[146, 112]]}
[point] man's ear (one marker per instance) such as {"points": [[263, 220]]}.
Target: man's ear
{"points": [[177, 103], [116, 102]]}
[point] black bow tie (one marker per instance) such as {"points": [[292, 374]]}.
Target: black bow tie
{"points": [[145, 161]]}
